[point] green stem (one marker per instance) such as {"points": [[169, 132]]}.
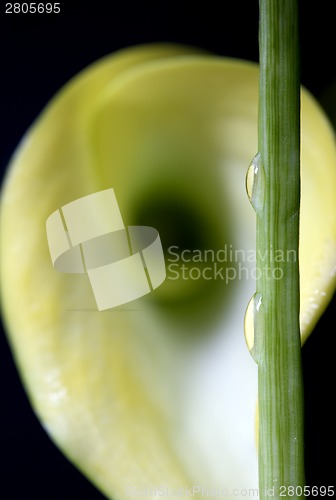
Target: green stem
{"points": [[277, 333]]}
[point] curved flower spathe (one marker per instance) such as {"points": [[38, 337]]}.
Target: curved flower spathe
{"points": [[163, 391]]}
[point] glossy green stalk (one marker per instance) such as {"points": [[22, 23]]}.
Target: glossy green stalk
{"points": [[277, 333]]}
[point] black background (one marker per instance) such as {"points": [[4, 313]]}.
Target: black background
{"points": [[38, 54]]}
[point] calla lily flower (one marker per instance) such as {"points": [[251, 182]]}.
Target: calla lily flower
{"points": [[159, 393]]}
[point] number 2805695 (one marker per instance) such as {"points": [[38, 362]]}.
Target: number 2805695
{"points": [[33, 8]]}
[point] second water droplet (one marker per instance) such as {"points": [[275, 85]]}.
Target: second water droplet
{"points": [[253, 312]]}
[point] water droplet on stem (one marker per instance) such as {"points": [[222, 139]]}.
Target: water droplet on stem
{"points": [[253, 312], [255, 184]]}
